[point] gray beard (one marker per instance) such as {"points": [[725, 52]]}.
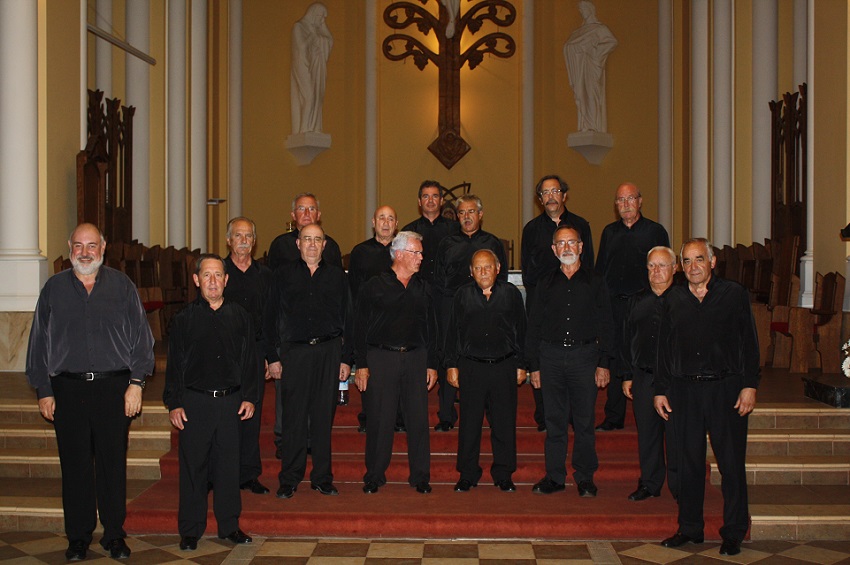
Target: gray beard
{"points": [[86, 270], [568, 259]]}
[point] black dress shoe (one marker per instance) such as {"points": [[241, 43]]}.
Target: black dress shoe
{"points": [[328, 489], [361, 428], [547, 486], [423, 487], [607, 426], [642, 493], [286, 491], [118, 549], [370, 488], [443, 426], [587, 489], [237, 537], [680, 539], [188, 543], [76, 550], [464, 485], [730, 547], [506, 485], [254, 486], [541, 427]]}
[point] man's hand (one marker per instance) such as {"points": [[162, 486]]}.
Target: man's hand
{"points": [[746, 401], [627, 389], [266, 374], [431, 376], [177, 417], [246, 410], [361, 376], [132, 401], [275, 370], [535, 379], [47, 407], [662, 406], [602, 376], [520, 376], [452, 376], [344, 371]]}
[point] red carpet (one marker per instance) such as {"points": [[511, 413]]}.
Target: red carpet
{"points": [[398, 511]]}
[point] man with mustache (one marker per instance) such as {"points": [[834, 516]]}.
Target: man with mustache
{"points": [[431, 225], [569, 350], [452, 272], [90, 349], [621, 260]]}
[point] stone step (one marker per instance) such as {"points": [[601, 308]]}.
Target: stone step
{"points": [[806, 512], [19, 412], [778, 416], [42, 436], [823, 441], [792, 470], [21, 463]]}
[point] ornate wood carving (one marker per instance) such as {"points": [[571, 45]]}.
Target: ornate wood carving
{"points": [[449, 147]]}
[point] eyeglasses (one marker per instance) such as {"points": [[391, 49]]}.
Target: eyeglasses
{"points": [[312, 239], [430, 197], [303, 209], [653, 266], [567, 243], [553, 192], [419, 253], [629, 199]]}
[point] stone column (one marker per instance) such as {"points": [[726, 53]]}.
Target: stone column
{"points": [[370, 13], [529, 199], [138, 94], [103, 49], [665, 114], [176, 123], [723, 139], [198, 127], [234, 110], [699, 119], [807, 262], [765, 25]]}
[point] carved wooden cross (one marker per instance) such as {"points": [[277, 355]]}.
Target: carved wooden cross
{"points": [[449, 147]]}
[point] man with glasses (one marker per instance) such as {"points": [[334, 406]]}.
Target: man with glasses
{"points": [[395, 334], [569, 350], [537, 258], [621, 260], [308, 326], [639, 351], [431, 225]]}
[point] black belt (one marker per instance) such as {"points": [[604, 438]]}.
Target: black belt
{"points": [[647, 370], [705, 378], [316, 340], [397, 349], [492, 360], [216, 393], [570, 342], [95, 376]]}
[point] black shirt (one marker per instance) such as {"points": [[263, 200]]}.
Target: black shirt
{"points": [[484, 328], [577, 309], [640, 332], [432, 234], [622, 254], [283, 251], [454, 256], [367, 260], [389, 314], [249, 289], [302, 306], [538, 258], [77, 332], [714, 337], [210, 350]]}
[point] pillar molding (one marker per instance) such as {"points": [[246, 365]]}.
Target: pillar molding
{"points": [[371, 114], [699, 119], [765, 89], [723, 138], [175, 125], [234, 109], [138, 94], [529, 200], [198, 127], [665, 114], [103, 49], [807, 262]]}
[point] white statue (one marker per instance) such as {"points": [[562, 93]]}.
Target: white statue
{"points": [[453, 8], [311, 45], [586, 52]]}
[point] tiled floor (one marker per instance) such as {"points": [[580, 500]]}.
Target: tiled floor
{"points": [[40, 547]]}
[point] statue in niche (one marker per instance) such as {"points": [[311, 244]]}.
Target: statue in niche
{"points": [[311, 46], [586, 52]]}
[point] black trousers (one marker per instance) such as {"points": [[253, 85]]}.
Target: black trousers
{"points": [[445, 392], [308, 387], [397, 377], [493, 387], [697, 408], [208, 444], [569, 394], [539, 411], [615, 403], [652, 429], [250, 463], [91, 433]]}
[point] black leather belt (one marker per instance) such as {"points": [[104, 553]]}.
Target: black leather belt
{"points": [[491, 360], [316, 340], [216, 393], [570, 342], [95, 376], [705, 378], [397, 349], [647, 370]]}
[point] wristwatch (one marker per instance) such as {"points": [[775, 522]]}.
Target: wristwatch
{"points": [[138, 382]]}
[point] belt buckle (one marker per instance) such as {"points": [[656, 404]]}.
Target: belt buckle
{"points": [[402, 349], [217, 393], [313, 341], [89, 376]]}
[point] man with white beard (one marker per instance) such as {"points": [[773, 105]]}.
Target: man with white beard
{"points": [[569, 349]]}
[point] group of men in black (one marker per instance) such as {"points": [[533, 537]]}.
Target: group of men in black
{"points": [[430, 304]]}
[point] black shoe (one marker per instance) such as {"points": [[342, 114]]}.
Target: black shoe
{"points": [[587, 489], [361, 428], [680, 539], [464, 485], [188, 543], [400, 428], [547, 486], [76, 550], [607, 426], [370, 488], [423, 487], [730, 547], [506, 485], [642, 493], [118, 549], [237, 537], [443, 426], [541, 427], [328, 489], [286, 491], [254, 486]]}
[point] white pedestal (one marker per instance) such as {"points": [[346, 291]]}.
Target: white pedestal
{"points": [[592, 145], [306, 146], [21, 279]]}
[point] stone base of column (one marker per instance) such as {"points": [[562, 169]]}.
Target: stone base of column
{"points": [[21, 279], [807, 280]]}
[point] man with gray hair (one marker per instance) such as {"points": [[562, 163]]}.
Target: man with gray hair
{"points": [[305, 211], [395, 342]]}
